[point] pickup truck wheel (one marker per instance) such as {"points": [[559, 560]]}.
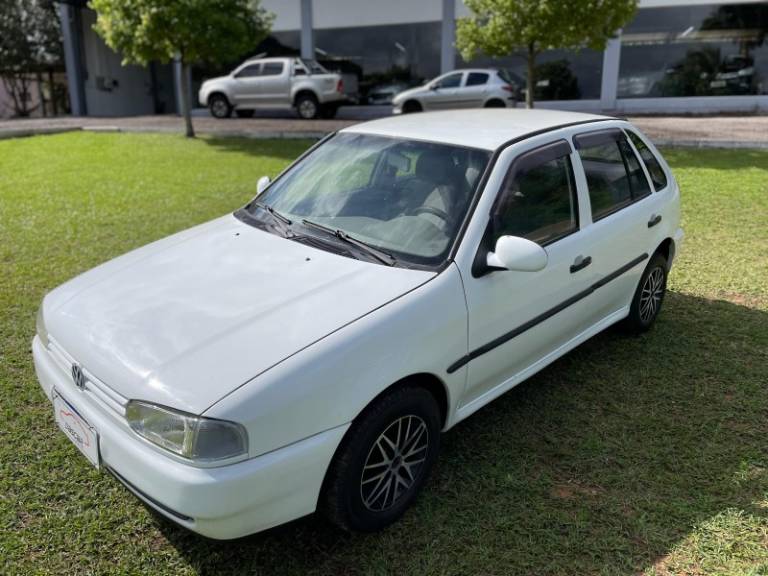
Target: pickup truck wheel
{"points": [[383, 461], [307, 107], [244, 113], [219, 106], [649, 296]]}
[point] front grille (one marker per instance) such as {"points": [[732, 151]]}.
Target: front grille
{"points": [[100, 393]]}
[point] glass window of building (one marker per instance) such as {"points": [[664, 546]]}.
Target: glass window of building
{"points": [[704, 50], [560, 74]]}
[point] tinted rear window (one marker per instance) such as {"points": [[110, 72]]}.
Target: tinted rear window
{"points": [[658, 177], [477, 78]]}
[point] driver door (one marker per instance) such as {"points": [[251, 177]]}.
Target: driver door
{"points": [[246, 85], [516, 319], [444, 92]]}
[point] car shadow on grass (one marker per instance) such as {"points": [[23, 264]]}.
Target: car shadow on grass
{"points": [[602, 463]]}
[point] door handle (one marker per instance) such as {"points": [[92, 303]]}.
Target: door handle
{"points": [[654, 220], [580, 263]]}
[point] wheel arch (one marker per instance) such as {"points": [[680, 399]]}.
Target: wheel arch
{"points": [[494, 102], [305, 92], [217, 92], [413, 103], [666, 249]]}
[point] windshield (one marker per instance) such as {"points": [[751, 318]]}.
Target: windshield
{"points": [[405, 197]]}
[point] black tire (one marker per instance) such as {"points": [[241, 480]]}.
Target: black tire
{"points": [[494, 104], [307, 107], [411, 106], [219, 106], [329, 111], [649, 296], [245, 113], [349, 498]]}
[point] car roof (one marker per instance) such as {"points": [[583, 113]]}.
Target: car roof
{"points": [[487, 128]]}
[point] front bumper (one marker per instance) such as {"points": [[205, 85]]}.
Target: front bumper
{"points": [[223, 502]]}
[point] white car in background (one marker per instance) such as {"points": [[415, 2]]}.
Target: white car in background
{"points": [[473, 88], [275, 83], [306, 352]]}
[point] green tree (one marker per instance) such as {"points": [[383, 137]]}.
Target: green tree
{"points": [[194, 31], [30, 42], [500, 27]]}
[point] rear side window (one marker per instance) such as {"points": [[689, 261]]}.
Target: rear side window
{"points": [[615, 177], [538, 198], [272, 69], [658, 177], [477, 78], [249, 71]]}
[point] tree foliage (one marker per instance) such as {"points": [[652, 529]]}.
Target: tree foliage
{"points": [[211, 31], [499, 27], [30, 43]]}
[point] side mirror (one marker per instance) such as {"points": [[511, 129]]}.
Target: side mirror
{"points": [[262, 183], [519, 254], [433, 87]]}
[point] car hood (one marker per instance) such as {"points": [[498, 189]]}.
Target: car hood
{"points": [[186, 320]]}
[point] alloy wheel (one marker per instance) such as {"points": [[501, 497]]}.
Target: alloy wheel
{"points": [[307, 109], [394, 463], [650, 297], [219, 108]]}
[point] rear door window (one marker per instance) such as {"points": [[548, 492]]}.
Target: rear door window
{"points": [[615, 177], [477, 78], [272, 69], [658, 177]]}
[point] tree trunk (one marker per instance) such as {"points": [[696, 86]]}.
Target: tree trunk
{"points": [[531, 80], [185, 100]]}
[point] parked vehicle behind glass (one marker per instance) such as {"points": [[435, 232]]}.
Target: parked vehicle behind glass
{"points": [[475, 88], [275, 83], [306, 352]]}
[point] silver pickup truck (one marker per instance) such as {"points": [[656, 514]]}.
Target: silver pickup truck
{"points": [[275, 83]]}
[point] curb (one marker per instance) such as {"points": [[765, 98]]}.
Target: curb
{"points": [[27, 132], [724, 144]]}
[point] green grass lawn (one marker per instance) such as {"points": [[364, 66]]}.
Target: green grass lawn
{"points": [[629, 455]]}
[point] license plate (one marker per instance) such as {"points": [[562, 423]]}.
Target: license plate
{"points": [[82, 434]]}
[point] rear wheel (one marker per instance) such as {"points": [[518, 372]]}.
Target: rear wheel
{"points": [[307, 106], [495, 104], [219, 106], [649, 296], [383, 461]]}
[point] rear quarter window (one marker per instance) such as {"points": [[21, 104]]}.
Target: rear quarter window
{"points": [[658, 177]]}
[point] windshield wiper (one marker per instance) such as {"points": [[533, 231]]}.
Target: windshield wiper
{"points": [[380, 255], [285, 223]]}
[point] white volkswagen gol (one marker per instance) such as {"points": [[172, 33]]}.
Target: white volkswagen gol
{"points": [[306, 351]]}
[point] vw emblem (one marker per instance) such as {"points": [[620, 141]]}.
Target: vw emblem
{"points": [[78, 376]]}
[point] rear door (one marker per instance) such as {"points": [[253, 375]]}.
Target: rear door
{"points": [[517, 319], [623, 212], [246, 85], [474, 89]]}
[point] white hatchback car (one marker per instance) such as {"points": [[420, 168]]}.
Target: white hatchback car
{"points": [[473, 88], [306, 351]]}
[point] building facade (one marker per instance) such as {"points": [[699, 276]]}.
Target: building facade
{"points": [[675, 56]]}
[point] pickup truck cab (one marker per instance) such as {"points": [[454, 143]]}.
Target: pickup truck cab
{"points": [[274, 83]]}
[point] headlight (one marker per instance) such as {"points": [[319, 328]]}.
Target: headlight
{"points": [[187, 435], [42, 331]]}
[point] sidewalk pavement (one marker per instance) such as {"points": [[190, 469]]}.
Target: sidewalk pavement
{"points": [[688, 131]]}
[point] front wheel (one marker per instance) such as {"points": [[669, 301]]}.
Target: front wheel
{"points": [[383, 461], [649, 295], [219, 106]]}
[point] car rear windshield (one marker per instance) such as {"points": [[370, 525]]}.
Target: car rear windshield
{"points": [[408, 198]]}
